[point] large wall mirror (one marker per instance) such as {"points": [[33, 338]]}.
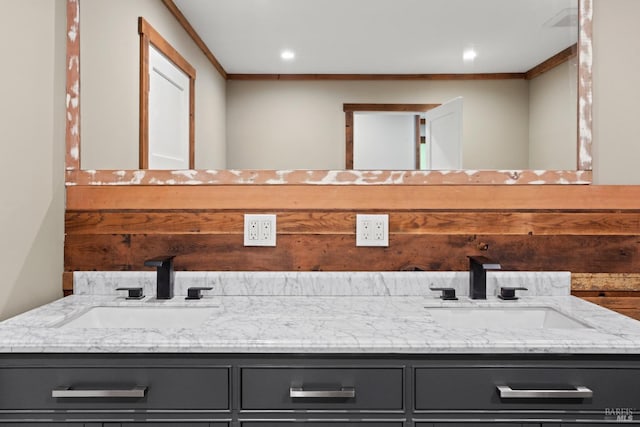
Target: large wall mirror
{"points": [[520, 71]]}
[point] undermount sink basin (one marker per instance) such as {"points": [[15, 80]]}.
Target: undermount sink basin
{"points": [[141, 317], [503, 318]]}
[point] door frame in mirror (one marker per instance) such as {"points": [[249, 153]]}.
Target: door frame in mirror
{"points": [[150, 37], [77, 176], [351, 109]]}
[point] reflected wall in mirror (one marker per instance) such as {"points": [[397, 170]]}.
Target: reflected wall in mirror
{"points": [[521, 117]]}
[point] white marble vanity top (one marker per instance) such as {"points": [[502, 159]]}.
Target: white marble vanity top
{"points": [[320, 313]]}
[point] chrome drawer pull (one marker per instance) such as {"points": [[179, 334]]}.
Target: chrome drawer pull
{"points": [[68, 392], [579, 392], [344, 393]]}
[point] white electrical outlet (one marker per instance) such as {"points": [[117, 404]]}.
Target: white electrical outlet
{"points": [[372, 230], [253, 228], [259, 230]]}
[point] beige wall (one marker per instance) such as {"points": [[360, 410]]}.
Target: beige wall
{"points": [[300, 124], [110, 56], [616, 84], [32, 109], [553, 118]]}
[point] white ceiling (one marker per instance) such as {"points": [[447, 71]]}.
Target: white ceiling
{"points": [[380, 36]]}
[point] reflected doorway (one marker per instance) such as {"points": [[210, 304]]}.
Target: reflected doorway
{"points": [[167, 104], [404, 136]]}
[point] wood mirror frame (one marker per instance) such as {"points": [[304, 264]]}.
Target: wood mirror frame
{"points": [[77, 176]]}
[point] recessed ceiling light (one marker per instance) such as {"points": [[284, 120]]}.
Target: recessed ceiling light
{"points": [[469, 55], [287, 55]]}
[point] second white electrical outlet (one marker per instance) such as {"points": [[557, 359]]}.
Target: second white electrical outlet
{"points": [[259, 230], [372, 230]]}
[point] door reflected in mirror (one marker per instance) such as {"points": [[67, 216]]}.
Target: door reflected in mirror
{"points": [[429, 138]]}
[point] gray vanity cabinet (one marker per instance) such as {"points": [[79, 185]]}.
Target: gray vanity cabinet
{"points": [[316, 390]]}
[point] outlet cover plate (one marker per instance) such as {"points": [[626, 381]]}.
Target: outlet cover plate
{"points": [[259, 230], [372, 230]]}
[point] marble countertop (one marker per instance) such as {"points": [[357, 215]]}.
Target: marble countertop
{"points": [[345, 314]]}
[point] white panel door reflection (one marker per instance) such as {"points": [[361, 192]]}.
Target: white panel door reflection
{"points": [[384, 141], [443, 137], [168, 114]]}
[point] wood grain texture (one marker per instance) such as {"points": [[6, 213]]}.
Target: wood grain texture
{"points": [[105, 250], [143, 127], [192, 123], [353, 197], [557, 59], [348, 137], [418, 139], [342, 222], [610, 282], [337, 252], [606, 293], [67, 283], [324, 177], [382, 77], [406, 108]]}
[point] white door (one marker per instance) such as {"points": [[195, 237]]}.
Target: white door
{"points": [[443, 132], [384, 141], [168, 113]]}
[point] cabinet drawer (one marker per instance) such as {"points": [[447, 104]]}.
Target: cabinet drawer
{"points": [[167, 424], [475, 424], [48, 424], [477, 388], [166, 388], [322, 388], [323, 424]]}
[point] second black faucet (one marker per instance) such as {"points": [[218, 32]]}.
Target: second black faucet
{"points": [[165, 276], [478, 267]]}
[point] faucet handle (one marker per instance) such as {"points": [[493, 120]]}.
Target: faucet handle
{"points": [[196, 292], [509, 293], [133, 293], [448, 294]]}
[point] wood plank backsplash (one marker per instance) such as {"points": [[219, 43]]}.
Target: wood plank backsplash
{"points": [[593, 231]]}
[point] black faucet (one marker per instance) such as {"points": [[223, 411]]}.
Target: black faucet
{"points": [[478, 267], [164, 285]]}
